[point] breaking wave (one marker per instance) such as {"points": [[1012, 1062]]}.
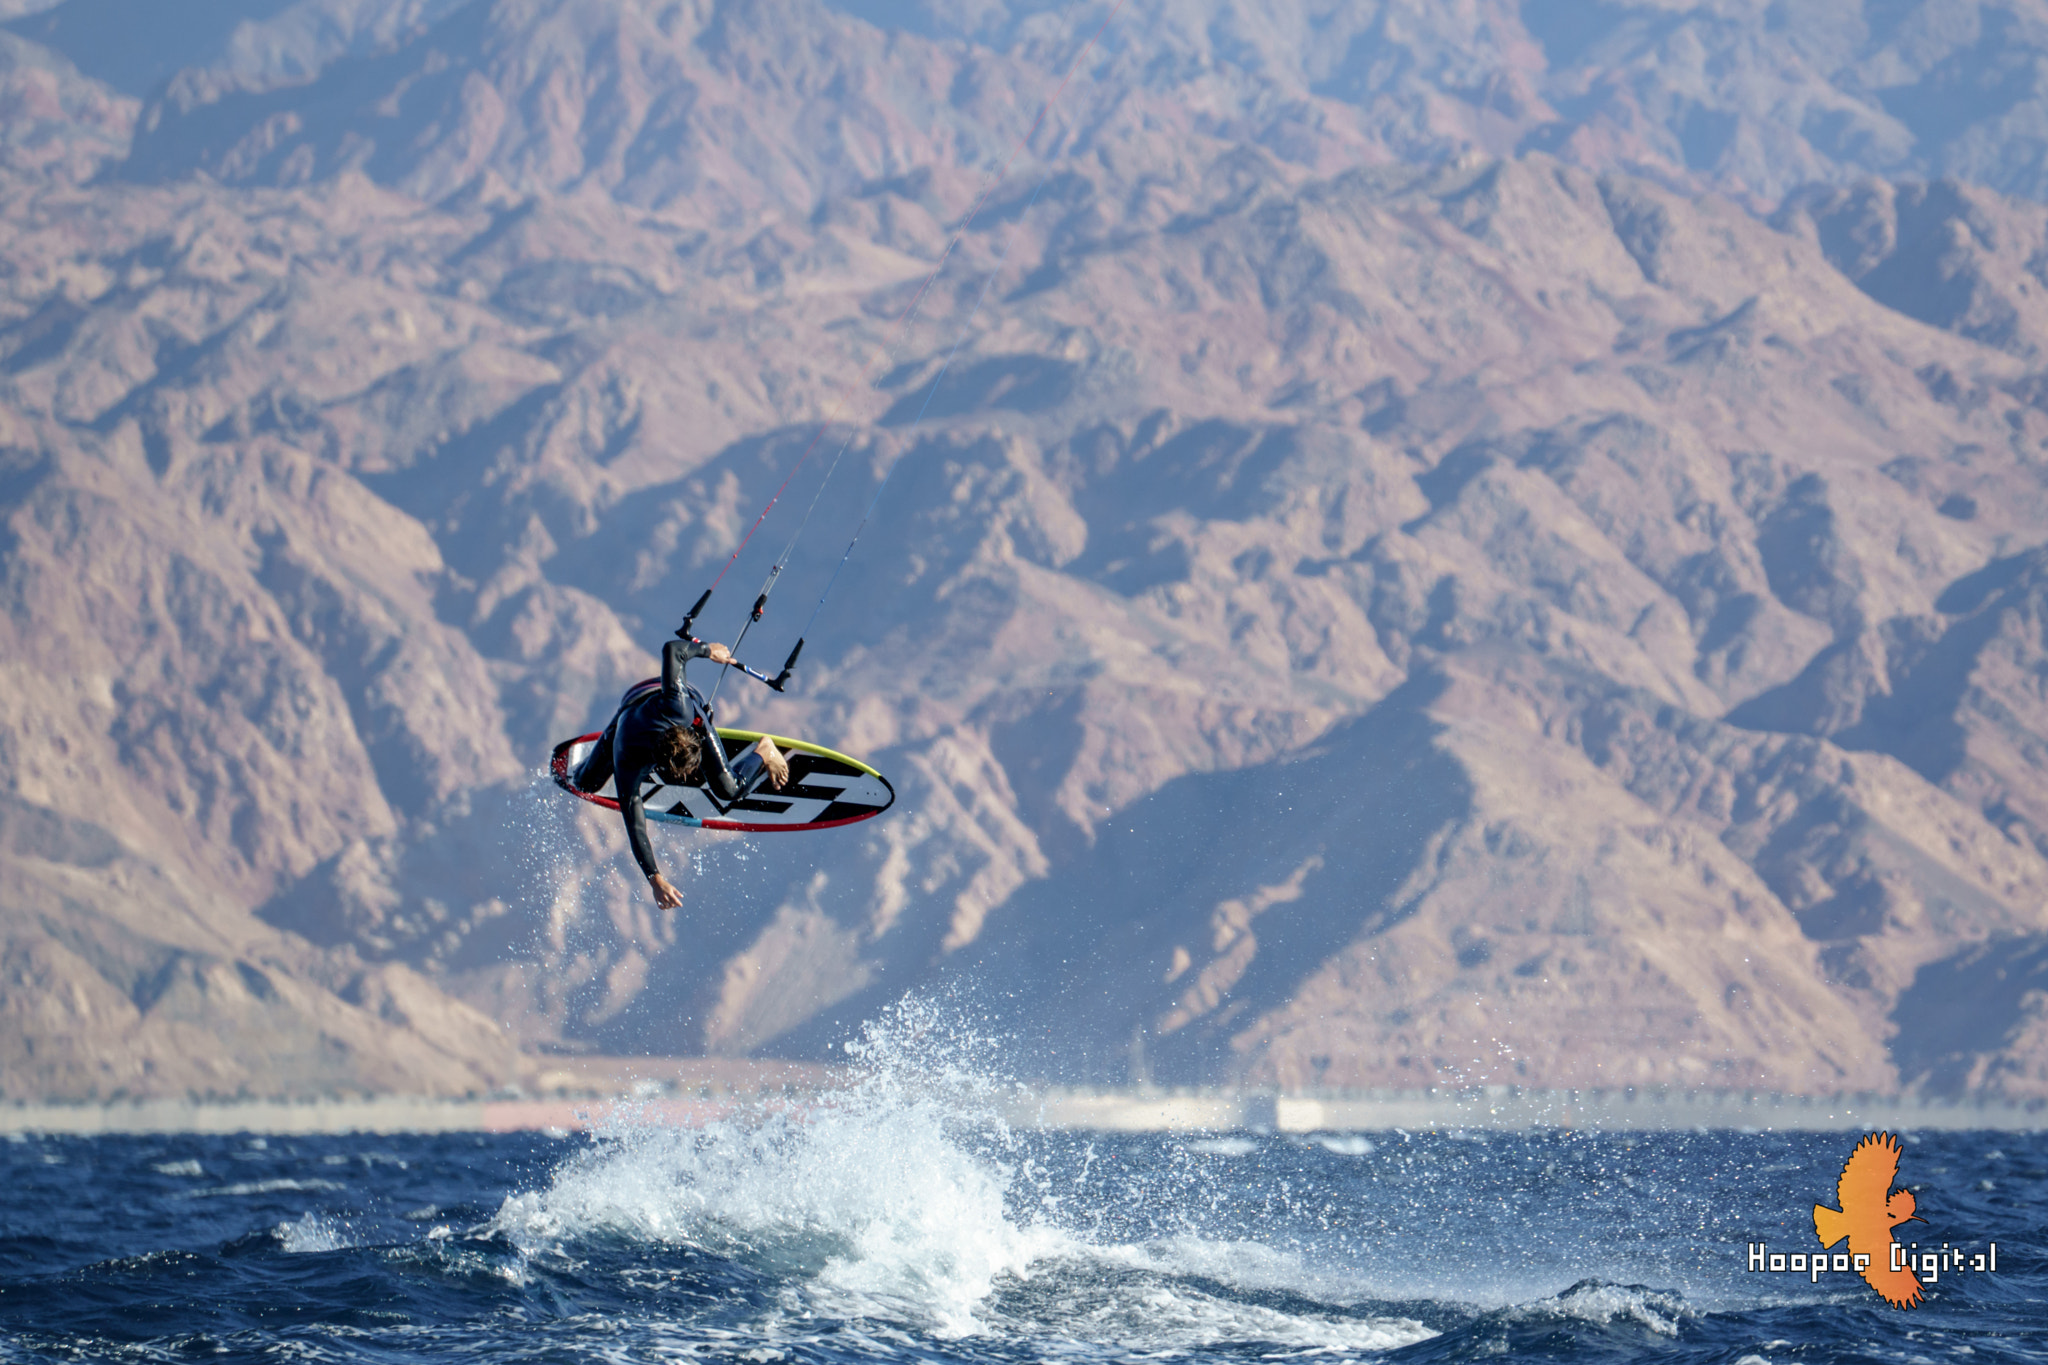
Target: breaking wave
{"points": [[906, 1197]]}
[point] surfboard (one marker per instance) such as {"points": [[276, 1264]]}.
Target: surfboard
{"points": [[826, 789]]}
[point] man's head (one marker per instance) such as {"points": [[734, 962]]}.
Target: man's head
{"points": [[679, 754]]}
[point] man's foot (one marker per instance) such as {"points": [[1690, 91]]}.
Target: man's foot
{"points": [[777, 765]]}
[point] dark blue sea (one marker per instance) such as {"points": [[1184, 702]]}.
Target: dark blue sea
{"points": [[905, 1223]]}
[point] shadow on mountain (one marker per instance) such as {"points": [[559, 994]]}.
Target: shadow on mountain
{"points": [[1019, 383], [32, 831], [1310, 851], [363, 113], [1324, 840], [1213, 471], [1036, 752], [433, 895], [1961, 1011], [647, 552], [560, 292], [1936, 694]]}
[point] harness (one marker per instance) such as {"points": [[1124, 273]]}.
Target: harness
{"points": [[641, 691]]}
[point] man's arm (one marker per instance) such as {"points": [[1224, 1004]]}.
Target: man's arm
{"points": [[675, 654], [633, 809]]}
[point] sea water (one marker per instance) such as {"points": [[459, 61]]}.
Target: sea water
{"points": [[904, 1221]]}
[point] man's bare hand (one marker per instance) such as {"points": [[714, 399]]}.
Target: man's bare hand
{"points": [[718, 654], [778, 766], [665, 894]]}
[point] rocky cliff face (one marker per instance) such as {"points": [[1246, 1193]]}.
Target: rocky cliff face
{"points": [[1398, 566]]}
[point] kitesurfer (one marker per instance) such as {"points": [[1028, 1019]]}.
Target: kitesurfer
{"points": [[664, 729]]}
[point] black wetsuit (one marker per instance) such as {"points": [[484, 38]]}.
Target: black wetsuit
{"points": [[628, 749]]}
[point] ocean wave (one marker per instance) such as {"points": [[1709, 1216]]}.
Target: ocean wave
{"points": [[888, 1197], [248, 1187], [1604, 1304]]}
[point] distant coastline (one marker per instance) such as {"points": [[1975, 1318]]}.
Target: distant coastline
{"points": [[1108, 1110]]}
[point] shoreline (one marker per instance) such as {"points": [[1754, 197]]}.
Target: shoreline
{"points": [[1497, 1108]]}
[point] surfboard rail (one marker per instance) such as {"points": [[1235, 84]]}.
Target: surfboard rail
{"points": [[841, 790]]}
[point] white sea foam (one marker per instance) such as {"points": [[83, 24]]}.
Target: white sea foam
{"points": [[260, 1187], [1224, 1146], [906, 1200], [1249, 1266], [1155, 1315], [1345, 1144], [312, 1232], [178, 1168], [881, 1197], [1597, 1302], [1176, 1304]]}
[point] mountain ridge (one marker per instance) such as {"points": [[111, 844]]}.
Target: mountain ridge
{"points": [[1354, 607]]}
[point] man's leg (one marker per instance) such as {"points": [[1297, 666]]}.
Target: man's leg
{"points": [[773, 761], [596, 769], [762, 764]]}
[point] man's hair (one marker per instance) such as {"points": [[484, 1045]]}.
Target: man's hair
{"points": [[678, 754]]}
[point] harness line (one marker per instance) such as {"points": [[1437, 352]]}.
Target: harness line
{"points": [[931, 393]]}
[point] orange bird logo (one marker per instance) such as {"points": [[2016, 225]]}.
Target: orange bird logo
{"points": [[1870, 1210]]}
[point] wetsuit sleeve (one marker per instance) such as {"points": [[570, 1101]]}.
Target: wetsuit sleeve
{"points": [[633, 810], [674, 655], [720, 777]]}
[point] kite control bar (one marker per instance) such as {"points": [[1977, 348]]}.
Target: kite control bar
{"points": [[779, 681]]}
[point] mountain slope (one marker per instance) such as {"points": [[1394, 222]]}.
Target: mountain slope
{"points": [[1330, 620]]}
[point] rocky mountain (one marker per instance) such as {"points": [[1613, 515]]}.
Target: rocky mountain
{"points": [[1753, 97], [1420, 545]]}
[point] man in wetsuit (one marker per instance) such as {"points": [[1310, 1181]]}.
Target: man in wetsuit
{"points": [[666, 731]]}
